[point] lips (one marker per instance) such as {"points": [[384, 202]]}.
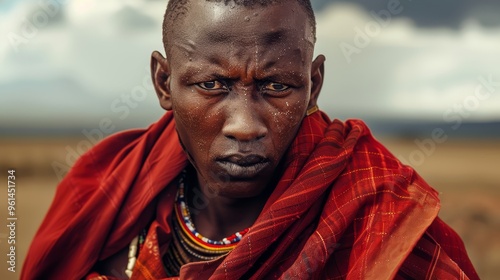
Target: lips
{"points": [[243, 167]]}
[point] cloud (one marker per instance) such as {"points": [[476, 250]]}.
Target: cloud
{"points": [[432, 14], [92, 53], [400, 70], [102, 53]]}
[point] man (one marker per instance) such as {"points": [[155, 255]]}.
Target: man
{"points": [[243, 178]]}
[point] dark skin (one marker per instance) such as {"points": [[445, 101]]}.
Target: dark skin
{"points": [[239, 81]]}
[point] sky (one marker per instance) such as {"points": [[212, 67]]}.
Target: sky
{"points": [[81, 63]]}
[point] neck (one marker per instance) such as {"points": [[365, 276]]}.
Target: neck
{"points": [[217, 216]]}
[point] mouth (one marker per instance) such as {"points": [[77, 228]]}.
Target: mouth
{"points": [[243, 167]]}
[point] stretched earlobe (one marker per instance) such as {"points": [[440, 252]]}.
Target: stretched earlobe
{"points": [[317, 76], [160, 74]]}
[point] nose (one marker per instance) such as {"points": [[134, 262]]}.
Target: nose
{"points": [[243, 122]]}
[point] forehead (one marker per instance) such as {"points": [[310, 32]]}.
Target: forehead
{"points": [[274, 26]]}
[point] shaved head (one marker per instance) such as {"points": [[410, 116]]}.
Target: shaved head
{"points": [[239, 78], [177, 9]]}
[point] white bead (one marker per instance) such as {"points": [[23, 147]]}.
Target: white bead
{"points": [[132, 251], [131, 263]]}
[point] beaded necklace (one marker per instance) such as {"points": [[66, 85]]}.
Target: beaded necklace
{"points": [[188, 225], [188, 245], [135, 245]]}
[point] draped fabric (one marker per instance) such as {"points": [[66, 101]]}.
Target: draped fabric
{"points": [[106, 199], [344, 208]]}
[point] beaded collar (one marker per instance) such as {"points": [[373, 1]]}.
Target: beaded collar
{"points": [[188, 225], [188, 245]]}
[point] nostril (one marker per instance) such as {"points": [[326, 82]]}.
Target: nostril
{"points": [[244, 133], [244, 137]]}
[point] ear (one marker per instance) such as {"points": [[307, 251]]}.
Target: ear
{"points": [[160, 74], [317, 75]]}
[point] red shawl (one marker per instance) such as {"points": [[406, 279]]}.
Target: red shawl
{"points": [[344, 208]]}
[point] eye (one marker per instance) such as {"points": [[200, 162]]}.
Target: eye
{"points": [[212, 85], [272, 86]]}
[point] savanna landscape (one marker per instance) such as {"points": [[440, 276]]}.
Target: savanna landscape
{"points": [[466, 172]]}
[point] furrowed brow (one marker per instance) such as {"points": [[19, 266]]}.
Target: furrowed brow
{"points": [[273, 37], [266, 39]]}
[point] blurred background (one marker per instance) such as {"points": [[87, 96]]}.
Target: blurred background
{"points": [[425, 76]]}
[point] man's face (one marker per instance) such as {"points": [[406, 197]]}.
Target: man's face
{"points": [[239, 85]]}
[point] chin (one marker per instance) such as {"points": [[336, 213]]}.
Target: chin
{"points": [[240, 189]]}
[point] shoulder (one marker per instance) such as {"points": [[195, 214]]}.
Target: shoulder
{"points": [[106, 155], [373, 170], [370, 158]]}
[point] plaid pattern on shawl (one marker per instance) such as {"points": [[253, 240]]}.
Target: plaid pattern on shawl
{"points": [[345, 208]]}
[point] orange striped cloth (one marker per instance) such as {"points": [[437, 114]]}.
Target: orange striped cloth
{"points": [[345, 208]]}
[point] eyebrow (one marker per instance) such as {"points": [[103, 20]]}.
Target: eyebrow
{"points": [[267, 74]]}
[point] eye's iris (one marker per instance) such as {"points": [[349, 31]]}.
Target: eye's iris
{"points": [[276, 87], [212, 85], [209, 85]]}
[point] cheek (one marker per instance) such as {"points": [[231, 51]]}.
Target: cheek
{"points": [[287, 121], [190, 119], [290, 115], [181, 105]]}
